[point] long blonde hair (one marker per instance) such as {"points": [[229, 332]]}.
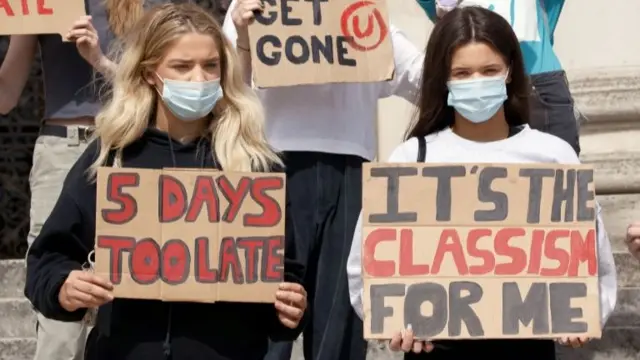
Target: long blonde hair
{"points": [[122, 14], [236, 128]]}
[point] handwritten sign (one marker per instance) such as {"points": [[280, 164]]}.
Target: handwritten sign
{"points": [[39, 16], [317, 41], [480, 251], [190, 235]]}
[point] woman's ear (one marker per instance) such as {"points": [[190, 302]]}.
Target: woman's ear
{"points": [[150, 78]]}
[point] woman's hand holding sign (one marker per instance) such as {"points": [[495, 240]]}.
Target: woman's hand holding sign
{"points": [[291, 302], [404, 341], [83, 289]]}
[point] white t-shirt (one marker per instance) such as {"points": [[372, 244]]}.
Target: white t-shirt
{"points": [[527, 146], [335, 118]]}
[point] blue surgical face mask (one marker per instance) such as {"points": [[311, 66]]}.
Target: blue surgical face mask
{"points": [[477, 100], [190, 100]]}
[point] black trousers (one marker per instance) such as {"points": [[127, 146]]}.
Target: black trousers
{"points": [[489, 349], [325, 191], [552, 108]]}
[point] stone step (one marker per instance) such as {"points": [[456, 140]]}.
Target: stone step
{"points": [[18, 318], [12, 276], [17, 348]]}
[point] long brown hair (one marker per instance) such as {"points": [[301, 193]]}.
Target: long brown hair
{"points": [[458, 28], [122, 14]]}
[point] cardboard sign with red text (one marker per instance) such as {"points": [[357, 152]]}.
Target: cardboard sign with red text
{"points": [[190, 235], [39, 16], [481, 251], [321, 41]]}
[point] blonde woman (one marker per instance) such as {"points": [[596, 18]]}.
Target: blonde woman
{"points": [[71, 103], [178, 100]]}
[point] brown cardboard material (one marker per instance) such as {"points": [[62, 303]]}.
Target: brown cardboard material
{"points": [[477, 251], [20, 17], [190, 234], [321, 41]]}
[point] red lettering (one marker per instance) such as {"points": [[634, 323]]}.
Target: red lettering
{"points": [[235, 196], [251, 247], [176, 261], [25, 7], [489, 261], [229, 260], [116, 182], [144, 262], [271, 211], [553, 253], [202, 270], [455, 248], [372, 266], [518, 256], [583, 250], [204, 193], [42, 9], [173, 199], [116, 245], [4, 4], [273, 261], [535, 255], [407, 267]]}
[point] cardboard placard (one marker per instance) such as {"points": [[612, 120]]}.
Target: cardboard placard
{"points": [[19, 17], [319, 41], [190, 235], [480, 251]]}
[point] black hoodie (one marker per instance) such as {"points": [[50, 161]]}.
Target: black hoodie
{"points": [[129, 329]]}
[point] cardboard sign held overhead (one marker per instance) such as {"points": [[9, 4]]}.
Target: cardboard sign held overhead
{"points": [[319, 41], [19, 17], [190, 235], [480, 251]]}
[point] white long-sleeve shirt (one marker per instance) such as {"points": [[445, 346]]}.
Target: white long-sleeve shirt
{"points": [[527, 146], [335, 118]]}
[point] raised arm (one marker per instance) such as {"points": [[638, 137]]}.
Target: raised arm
{"points": [[408, 60], [236, 29], [14, 71]]}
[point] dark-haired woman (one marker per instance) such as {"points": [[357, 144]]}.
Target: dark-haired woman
{"points": [[534, 23], [473, 108]]}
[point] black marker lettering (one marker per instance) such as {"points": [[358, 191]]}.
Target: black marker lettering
{"points": [[443, 197], [487, 194], [393, 175], [535, 191]]}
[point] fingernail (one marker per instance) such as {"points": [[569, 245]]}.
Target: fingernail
{"points": [[409, 327]]}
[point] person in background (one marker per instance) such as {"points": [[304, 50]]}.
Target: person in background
{"points": [[633, 239], [534, 22], [178, 100], [71, 102], [326, 133], [473, 108]]}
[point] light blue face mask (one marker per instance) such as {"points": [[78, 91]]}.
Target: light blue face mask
{"points": [[190, 100], [477, 100]]}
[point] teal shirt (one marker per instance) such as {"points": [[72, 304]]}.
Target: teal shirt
{"points": [[533, 21]]}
